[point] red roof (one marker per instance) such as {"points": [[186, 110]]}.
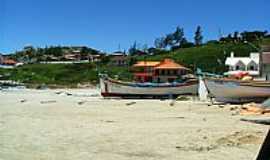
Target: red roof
{"points": [[165, 64], [146, 64], [9, 62], [170, 64]]}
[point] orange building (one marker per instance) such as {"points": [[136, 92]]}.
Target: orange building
{"points": [[159, 72]]}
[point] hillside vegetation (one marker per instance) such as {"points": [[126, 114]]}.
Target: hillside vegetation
{"points": [[209, 57], [60, 74]]}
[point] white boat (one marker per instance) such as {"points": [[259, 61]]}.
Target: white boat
{"points": [[114, 88], [225, 90]]}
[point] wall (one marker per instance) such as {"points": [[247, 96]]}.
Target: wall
{"points": [[266, 71]]}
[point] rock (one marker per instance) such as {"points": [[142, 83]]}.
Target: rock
{"points": [[81, 103], [130, 103], [23, 100], [221, 106], [172, 103]]}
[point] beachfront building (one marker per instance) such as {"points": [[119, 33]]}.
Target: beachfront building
{"points": [[249, 65], [158, 71], [266, 65]]}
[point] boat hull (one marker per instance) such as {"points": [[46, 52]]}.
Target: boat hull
{"points": [[236, 91], [110, 88]]}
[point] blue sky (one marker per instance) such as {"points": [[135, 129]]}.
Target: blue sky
{"points": [[104, 24]]}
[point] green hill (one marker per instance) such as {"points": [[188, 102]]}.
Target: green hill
{"points": [[209, 57]]}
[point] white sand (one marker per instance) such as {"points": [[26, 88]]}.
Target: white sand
{"points": [[44, 125]]}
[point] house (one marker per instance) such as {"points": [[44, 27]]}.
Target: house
{"points": [[6, 62], [9, 62], [1, 59], [118, 59], [266, 66], [158, 71], [249, 65], [72, 57], [95, 57]]}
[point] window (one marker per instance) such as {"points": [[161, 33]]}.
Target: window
{"points": [[171, 80], [162, 72], [240, 66], [252, 66]]}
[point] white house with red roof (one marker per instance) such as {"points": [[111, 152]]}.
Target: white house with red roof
{"points": [[249, 65]]}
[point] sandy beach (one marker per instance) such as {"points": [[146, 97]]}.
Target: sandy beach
{"points": [[78, 124]]}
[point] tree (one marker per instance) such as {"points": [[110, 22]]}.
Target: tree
{"points": [[84, 51], [159, 43], [169, 40], [236, 36], [133, 49], [178, 36], [253, 36], [198, 36], [230, 37]]}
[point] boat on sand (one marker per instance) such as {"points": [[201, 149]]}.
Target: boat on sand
{"points": [[228, 90], [114, 88]]}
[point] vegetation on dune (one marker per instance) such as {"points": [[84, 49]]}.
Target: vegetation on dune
{"points": [[60, 74]]}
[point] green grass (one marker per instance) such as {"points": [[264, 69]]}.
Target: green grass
{"points": [[210, 57], [59, 74]]}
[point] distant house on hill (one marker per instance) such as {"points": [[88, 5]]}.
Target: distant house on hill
{"points": [[6, 62], [249, 65], [118, 59], [1, 59], [95, 58], [9, 62], [159, 71], [72, 57]]}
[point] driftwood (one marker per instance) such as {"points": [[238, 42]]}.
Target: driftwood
{"points": [[131, 103]]}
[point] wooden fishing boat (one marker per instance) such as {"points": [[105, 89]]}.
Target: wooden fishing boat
{"points": [[114, 88], [227, 90]]}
